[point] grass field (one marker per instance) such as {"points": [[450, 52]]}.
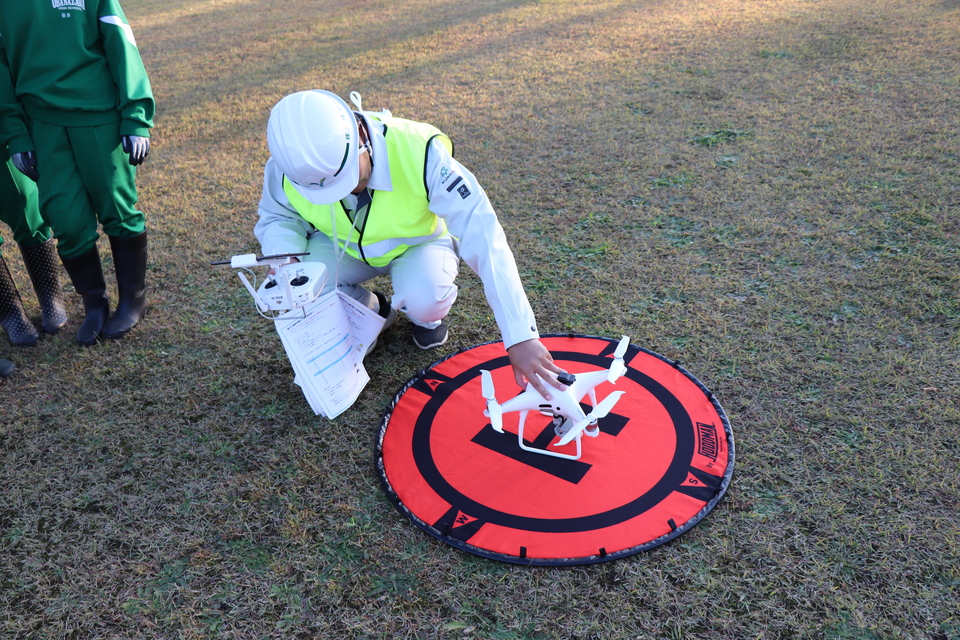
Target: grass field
{"points": [[765, 190]]}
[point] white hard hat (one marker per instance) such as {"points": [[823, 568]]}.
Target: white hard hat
{"points": [[313, 138]]}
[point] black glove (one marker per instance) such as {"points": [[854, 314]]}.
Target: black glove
{"points": [[26, 163], [137, 146]]}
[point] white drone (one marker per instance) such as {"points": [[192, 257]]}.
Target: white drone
{"points": [[570, 423], [295, 285]]}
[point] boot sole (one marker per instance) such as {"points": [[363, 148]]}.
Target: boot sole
{"points": [[89, 342], [116, 335]]}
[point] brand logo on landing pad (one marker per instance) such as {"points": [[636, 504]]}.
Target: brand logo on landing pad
{"points": [[707, 444]]}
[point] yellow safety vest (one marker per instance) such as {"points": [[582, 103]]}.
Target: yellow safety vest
{"points": [[396, 220]]}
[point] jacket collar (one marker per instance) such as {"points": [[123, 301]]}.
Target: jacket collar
{"points": [[380, 175]]}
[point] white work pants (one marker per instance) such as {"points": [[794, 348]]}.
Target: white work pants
{"points": [[423, 277]]}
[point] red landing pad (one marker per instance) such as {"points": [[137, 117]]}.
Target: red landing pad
{"points": [[663, 459]]}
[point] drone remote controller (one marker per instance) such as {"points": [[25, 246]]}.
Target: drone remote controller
{"points": [[294, 284]]}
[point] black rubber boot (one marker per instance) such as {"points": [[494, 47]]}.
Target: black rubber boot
{"points": [[86, 273], [12, 316], [43, 265], [130, 262], [7, 368]]}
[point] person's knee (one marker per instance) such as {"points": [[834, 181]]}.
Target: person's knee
{"points": [[427, 308]]}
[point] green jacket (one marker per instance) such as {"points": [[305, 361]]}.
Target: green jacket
{"points": [[70, 63]]}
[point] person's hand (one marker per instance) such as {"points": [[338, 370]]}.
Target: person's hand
{"points": [[532, 363], [26, 163], [273, 272], [137, 146]]}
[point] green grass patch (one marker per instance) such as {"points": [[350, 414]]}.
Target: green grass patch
{"points": [[719, 137]]}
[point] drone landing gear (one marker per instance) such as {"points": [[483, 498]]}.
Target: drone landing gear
{"points": [[560, 427]]}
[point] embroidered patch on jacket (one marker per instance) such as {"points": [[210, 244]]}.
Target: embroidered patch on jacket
{"points": [[75, 5], [446, 174], [462, 189]]}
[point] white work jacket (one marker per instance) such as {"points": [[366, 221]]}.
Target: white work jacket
{"points": [[455, 195]]}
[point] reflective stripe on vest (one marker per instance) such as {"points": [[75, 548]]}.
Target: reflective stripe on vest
{"points": [[397, 219]]}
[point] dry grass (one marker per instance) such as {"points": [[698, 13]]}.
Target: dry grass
{"points": [[764, 190]]}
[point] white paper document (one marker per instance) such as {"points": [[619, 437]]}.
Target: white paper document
{"points": [[365, 323], [326, 342]]}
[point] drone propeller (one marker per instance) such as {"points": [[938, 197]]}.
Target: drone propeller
{"points": [[599, 411], [494, 411], [617, 368]]}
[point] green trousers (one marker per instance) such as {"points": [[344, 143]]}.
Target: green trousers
{"points": [[85, 180], [19, 207]]}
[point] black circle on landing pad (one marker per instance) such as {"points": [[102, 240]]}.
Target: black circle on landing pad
{"points": [[663, 459], [676, 473]]}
